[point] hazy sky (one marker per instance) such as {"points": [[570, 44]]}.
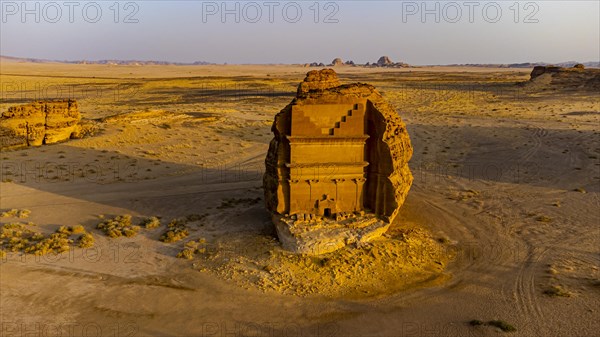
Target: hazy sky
{"points": [[286, 31]]}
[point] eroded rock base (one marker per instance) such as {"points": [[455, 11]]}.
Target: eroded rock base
{"points": [[317, 235]]}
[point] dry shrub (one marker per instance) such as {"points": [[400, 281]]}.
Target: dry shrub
{"points": [[69, 230], [557, 291], [55, 243], [16, 237], [15, 213], [64, 230], [177, 231], [190, 249], [24, 213], [86, 240], [79, 229], [151, 222], [9, 214], [119, 226]]}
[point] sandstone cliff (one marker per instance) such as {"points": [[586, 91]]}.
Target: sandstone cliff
{"points": [[39, 123]]}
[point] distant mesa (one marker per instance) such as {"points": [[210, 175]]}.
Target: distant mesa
{"points": [[39, 123], [337, 168]]}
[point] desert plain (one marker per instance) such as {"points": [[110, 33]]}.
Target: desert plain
{"points": [[502, 223]]}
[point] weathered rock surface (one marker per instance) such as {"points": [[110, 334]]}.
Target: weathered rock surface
{"points": [[318, 80], [39, 123], [337, 168], [326, 235]]}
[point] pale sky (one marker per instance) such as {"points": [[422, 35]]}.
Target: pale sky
{"points": [[187, 31]]}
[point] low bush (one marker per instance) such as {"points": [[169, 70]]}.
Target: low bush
{"points": [[177, 230], [86, 240], [118, 227], [190, 249], [151, 222]]}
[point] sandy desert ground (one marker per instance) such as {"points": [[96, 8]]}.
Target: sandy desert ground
{"points": [[502, 222]]}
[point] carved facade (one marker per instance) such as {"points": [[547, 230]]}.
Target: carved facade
{"points": [[327, 161]]}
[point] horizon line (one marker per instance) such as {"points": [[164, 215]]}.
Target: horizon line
{"points": [[198, 62]]}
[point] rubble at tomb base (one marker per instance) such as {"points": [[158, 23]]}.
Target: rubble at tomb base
{"points": [[39, 123], [324, 235], [337, 168]]}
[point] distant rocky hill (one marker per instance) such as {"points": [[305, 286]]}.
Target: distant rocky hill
{"points": [[569, 64], [384, 62], [337, 62], [552, 77], [108, 62]]}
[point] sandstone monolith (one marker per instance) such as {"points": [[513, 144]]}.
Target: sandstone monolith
{"points": [[337, 168]]}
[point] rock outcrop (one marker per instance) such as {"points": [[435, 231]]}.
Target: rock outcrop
{"points": [[337, 62], [540, 70], [318, 80], [552, 77], [39, 123], [384, 61], [337, 168]]}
